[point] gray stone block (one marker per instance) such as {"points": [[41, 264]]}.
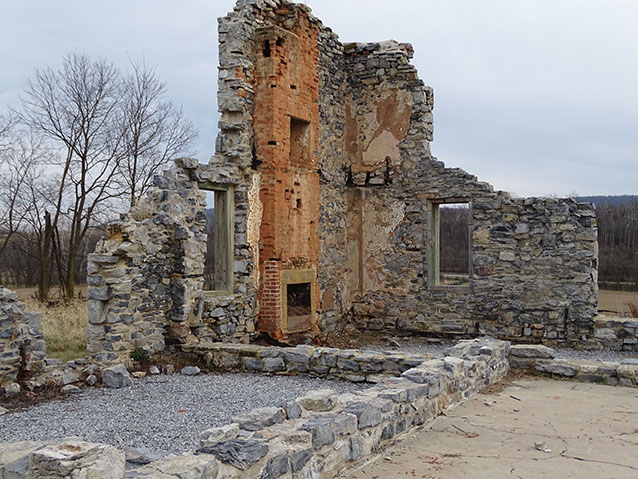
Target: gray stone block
{"points": [[241, 453], [259, 418], [100, 294], [272, 365], [292, 409], [299, 459], [558, 369], [536, 351], [319, 400], [253, 364], [367, 414], [321, 428], [218, 434], [276, 467], [69, 377], [190, 371], [116, 377], [78, 459]]}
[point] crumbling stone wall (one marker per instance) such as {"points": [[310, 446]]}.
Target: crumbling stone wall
{"points": [[22, 347], [355, 208], [146, 277], [533, 261]]}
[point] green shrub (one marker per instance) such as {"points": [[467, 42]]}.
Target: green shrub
{"points": [[140, 354]]}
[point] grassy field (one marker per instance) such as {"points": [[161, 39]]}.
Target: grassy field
{"points": [[617, 301], [63, 326]]}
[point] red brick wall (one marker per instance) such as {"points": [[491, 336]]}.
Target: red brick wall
{"points": [[286, 86]]}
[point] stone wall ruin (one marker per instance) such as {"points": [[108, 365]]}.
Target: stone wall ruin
{"points": [[324, 163], [22, 346]]}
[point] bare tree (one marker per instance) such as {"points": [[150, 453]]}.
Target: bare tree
{"points": [[154, 130], [21, 160], [76, 107], [110, 136]]}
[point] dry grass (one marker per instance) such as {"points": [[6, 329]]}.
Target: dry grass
{"points": [[63, 326], [618, 303]]}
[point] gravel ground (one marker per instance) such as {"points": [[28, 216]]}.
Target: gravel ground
{"points": [[148, 414], [564, 353]]}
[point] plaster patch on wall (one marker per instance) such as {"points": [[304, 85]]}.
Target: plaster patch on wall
{"points": [[375, 126], [380, 219], [253, 222]]}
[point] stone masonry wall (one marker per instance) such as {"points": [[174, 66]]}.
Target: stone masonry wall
{"points": [[332, 278], [145, 286], [541, 360], [320, 433], [22, 347], [533, 261], [366, 233], [146, 277]]}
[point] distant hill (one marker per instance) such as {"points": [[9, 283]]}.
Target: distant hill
{"points": [[613, 200]]}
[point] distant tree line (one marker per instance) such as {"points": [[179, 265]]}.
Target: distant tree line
{"points": [[85, 143], [618, 245]]}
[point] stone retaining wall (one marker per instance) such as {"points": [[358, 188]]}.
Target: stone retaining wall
{"points": [[540, 359], [314, 436]]}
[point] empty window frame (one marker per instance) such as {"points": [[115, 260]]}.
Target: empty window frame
{"points": [[450, 248], [300, 143], [218, 262]]}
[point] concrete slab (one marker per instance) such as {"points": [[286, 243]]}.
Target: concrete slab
{"points": [[534, 428]]}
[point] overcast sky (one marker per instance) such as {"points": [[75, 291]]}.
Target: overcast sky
{"points": [[534, 96]]}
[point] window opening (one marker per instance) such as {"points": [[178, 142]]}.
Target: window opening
{"points": [[218, 260], [450, 256]]}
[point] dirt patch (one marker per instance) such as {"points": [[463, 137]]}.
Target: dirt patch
{"points": [[533, 428], [25, 399], [507, 381]]}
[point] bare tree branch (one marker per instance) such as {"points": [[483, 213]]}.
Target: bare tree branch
{"points": [[77, 107], [155, 131]]}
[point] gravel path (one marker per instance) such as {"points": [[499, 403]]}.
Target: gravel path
{"points": [[147, 415]]}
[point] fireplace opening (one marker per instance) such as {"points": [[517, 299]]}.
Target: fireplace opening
{"points": [[298, 306], [298, 298]]}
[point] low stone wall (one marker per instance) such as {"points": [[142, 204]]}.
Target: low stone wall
{"points": [[22, 347], [349, 364], [541, 359], [314, 436], [617, 334], [318, 434]]}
